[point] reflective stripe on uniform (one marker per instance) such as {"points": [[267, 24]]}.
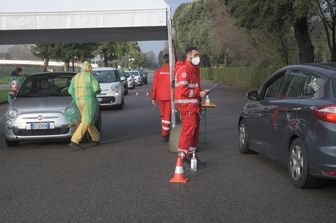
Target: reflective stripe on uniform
{"points": [[186, 101], [165, 128], [164, 73], [181, 152], [193, 85], [181, 83], [191, 93], [166, 122]]}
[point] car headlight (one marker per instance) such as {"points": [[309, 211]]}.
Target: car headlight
{"points": [[8, 123], [13, 112]]}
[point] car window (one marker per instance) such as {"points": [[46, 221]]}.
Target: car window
{"points": [[314, 85], [135, 73], [127, 73], [106, 76], [121, 73], [294, 84], [273, 88], [44, 86]]}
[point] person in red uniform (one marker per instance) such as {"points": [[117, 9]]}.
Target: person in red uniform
{"points": [[161, 95], [187, 99]]}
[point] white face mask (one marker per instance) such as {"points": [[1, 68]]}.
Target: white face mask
{"points": [[195, 61]]}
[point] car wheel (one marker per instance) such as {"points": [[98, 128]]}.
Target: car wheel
{"points": [[121, 106], [243, 138], [298, 166], [12, 143]]}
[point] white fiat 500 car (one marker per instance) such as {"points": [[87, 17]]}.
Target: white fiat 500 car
{"points": [[112, 87], [37, 110]]}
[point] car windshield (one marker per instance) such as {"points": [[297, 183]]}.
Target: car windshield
{"points": [[106, 76], [135, 73], [127, 73], [45, 85]]}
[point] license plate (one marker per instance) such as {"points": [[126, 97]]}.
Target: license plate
{"points": [[40, 125]]}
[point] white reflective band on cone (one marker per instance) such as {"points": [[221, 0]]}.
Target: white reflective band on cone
{"points": [[179, 169]]}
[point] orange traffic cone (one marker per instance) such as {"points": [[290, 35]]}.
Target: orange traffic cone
{"points": [[179, 176], [147, 94]]}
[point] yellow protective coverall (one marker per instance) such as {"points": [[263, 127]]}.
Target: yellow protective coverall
{"points": [[83, 88]]}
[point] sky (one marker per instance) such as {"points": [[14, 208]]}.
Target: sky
{"points": [[157, 46]]}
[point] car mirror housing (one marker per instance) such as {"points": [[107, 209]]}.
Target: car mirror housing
{"points": [[252, 95]]}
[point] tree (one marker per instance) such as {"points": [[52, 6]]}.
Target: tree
{"points": [[326, 10], [193, 24], [45, 52], [278, 18]]}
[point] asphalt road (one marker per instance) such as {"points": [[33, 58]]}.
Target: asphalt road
{"points": [[126, 178]]}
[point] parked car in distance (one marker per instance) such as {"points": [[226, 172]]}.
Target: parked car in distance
{"points": [[112, 87], [292, 119], [138, 80], [144, 75], [130, 79], [37, 111], [123, 74]]}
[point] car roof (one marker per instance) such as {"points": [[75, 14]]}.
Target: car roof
{"points": [[328, 69], [53, 73], [103, 68]]}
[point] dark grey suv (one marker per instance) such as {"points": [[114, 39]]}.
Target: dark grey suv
{"points": [[292, 119]]}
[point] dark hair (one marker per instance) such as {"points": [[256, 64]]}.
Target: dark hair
{"points": [[190, 49], [165, 58], [16, 71]]}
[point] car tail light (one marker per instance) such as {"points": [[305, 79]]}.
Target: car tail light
{"points": [[326, 113], [329, 172]]}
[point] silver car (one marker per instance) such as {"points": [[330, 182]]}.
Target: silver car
{"points": [[112, 87], [130, 80], [37, 111], [138, 80]]}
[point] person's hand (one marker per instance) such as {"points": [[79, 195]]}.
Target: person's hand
{"points": [[153, 102], [203, 93]]}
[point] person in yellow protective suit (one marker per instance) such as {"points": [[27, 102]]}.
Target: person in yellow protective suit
{"points": [[83, 89]]}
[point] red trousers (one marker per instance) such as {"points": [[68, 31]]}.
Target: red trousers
{"points": [[189, 133], [165, 111]]}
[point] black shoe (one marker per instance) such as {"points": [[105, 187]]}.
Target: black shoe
{"points": [[75, 146], [186, 162], [96, 143], [165, 138]]}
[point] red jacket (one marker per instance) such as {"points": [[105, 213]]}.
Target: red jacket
{"points": [[161, 84], [187, 87]]}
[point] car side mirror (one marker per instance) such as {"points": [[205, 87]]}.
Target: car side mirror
{"points": [[122, 78], [252, 95]]}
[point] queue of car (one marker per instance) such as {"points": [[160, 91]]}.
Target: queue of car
{"points": [[37, 111]]}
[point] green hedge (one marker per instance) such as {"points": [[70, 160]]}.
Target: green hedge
{"points": [[3, 95], [242, 77]]}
